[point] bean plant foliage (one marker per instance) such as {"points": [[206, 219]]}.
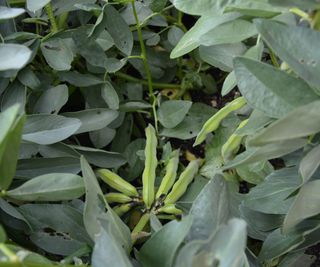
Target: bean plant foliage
{"points": [[170, 133]]}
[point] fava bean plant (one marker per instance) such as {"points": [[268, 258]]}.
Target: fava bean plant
{"points": [[159, 133]]}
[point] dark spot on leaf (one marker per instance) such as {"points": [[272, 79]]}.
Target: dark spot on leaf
{"points": [[302, 61], [48, 230]]}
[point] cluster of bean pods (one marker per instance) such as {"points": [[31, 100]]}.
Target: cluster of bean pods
{"points": [[168, 193]]}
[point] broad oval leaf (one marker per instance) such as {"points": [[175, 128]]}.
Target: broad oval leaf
{"points": [[296, 45], [310, 163], [270, 90], [160, 250], [266, 152], [301, 122], [107, 249], [229, 33], [95, 214], [10, 13], [172, 112], [224, 247], [52, 100], [14, 56], [50, 187], [92, 119], [46, 129], [305, 205], [57, 53], [110, 95], [210, 209], [200, 7], [191, 39], [34, 5], [272, 195]]}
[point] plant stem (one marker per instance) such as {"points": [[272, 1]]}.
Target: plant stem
{"points": [[143, 51], [274, 59], [146, 65], [11, 256], [54, 25], [144, 82], [141, 224]]}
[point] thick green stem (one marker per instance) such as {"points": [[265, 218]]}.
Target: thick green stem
{"points": [[153, 98], [274, 59], [54, 25], [142, 223], [7, 251], [144, 82]]}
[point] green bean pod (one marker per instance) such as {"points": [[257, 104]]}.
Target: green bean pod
{"points": [[170, 176], [151, 162], [116, 182], [170, 209], [214, 122], [117, 198], [122, 209], [180, 186], [231, 147]]}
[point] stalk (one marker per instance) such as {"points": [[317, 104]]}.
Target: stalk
{"points": [[146, 65], [52, 19]]}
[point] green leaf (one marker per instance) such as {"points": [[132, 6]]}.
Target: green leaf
{"points": [[117, 28], [305, 205], [229, 33], [50, 187], [271, 196], [78, 79], [254, 8], [158, 5], [278, 244], [92, 119], [29, 168], [198, 114], [10, 13], [172, 112], [107, 249], [191, 40], [34, 5], [301, 122], [39, 218], [11, 124], [161, 248], [110, 95], [310, 163], [305, 4], [200, 7], [174, 35], [254, 173], [52, 100], [57, 53], [210, 209], [14, 56], [46, 129], [270, 90], [266, 152], [230, 82], [101, 158], [296, 46], [224, 247], [221, 56], [95, 215]]}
